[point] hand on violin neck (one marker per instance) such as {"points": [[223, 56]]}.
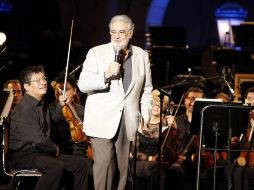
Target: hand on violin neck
{"points": [[64, 100], [170, 120], [234, 142]]}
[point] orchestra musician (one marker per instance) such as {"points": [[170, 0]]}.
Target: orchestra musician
{"points": [[30, 145], [61, 132], [243, 174], [16, 88], [181, 174], [147, 144], [117, 78]]}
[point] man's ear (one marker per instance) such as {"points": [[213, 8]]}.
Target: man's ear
{"points": [[26, 86], [130, 35]]}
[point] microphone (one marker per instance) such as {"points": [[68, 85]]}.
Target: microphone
{"points": [[117, 54], [75, 70], [227, 72]]}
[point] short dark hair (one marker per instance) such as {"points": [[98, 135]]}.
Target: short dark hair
{"points": [[60, 79], [194, 89], [26, 74], [251, 89]]}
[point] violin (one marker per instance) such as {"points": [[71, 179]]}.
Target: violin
{"points": [[170, 136], [71, 116], [75, 123], [76, 127], [246, 158]]}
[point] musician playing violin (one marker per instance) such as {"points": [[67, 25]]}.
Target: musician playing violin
{"points": [[148, 141], [181, 175], [61, 131], [61, 134], [243, 176]]}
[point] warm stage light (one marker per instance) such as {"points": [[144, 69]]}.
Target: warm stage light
{"points": [[2, 38]]}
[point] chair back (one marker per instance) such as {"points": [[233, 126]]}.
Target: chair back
{"points": [[5, 147]]}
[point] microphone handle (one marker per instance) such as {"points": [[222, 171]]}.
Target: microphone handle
{"points": [[229, 87], [117, 58], [117, 55]]}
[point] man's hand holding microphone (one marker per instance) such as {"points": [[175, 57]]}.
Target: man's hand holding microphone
{"points": [[113, 70]]}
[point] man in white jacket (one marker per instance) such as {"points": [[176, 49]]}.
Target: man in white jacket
{"points": [[117, 78]]}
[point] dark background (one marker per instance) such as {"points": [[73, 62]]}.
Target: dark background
{"points": [[38, 33]]}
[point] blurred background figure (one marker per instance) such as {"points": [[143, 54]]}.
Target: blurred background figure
{"points": [[148, 144], [15, 86], [223, 96]]}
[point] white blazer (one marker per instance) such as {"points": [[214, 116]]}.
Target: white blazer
{"points": [[105, 103]]}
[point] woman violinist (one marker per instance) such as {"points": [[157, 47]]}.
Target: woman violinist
{"points": [[148, 144], [63, 118], [181, 174]]}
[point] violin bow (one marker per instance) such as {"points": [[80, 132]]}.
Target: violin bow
{"points": [[67, 63]]}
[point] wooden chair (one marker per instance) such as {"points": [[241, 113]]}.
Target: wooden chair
{"points": [[14, 174]]}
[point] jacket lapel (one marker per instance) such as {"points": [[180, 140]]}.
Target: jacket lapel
{"points": [[135, 70]]}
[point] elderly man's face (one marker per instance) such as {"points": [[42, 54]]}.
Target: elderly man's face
{"points": [[120, 34]]}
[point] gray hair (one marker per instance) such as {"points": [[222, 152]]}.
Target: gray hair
{"points": [[122, 18]]}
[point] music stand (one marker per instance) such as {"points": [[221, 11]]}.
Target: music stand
{"points": [[168, 36], [218, 123], [167, 53], [238, 61], [244, 35]]}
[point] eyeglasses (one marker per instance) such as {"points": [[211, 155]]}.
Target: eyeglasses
{"points": [[38, 80], [250, 98], [191, 98], [121, 33]]}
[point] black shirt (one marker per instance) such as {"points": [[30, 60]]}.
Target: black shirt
{"points": [[183, 127], [30, 127]]}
